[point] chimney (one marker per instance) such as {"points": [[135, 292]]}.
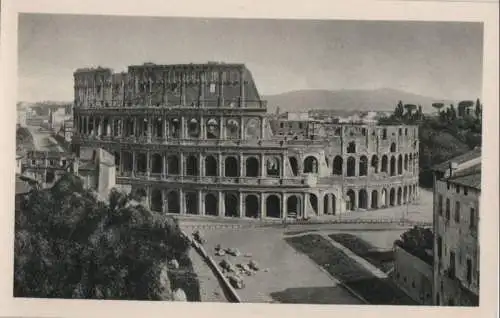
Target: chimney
{"points": [[453, 167]]}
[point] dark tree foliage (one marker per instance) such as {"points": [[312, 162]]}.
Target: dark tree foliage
{"points": [[70, 245], [441, 138], [417, 241]]}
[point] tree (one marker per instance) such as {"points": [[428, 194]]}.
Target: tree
{"points": [[70, 245], [399, 111], [478, 109], [417, 241], [409, 109]]}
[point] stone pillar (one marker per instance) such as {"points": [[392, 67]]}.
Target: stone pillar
{"points": [[135, 131], [148, 163], [262, 206], [242, 165], [355, 203], [242, 90], [120, 164], [134, 168], [283, 206], [165, 127], [220, 162], [203, 130], [183, 128], [150, 128], [242, 128], [201, 206], [368, 199], [221, 203], [201, 165], [262, 128], [164, 165], [164, 201], [182, 202], [263, 171], [181, 164], [304, 205], [241, 207], [221, 128], [329, 204], [283, 166]]}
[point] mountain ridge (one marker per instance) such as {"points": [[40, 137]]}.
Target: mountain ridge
{"points": [[383, 99]]}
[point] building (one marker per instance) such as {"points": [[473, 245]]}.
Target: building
{"points": [[196, 139], [457, 191], [413, 275], [46, 166]]}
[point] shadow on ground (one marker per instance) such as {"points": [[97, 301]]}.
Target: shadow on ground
{"points": [[314, 295]]}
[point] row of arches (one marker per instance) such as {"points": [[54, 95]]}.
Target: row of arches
{"points": [[375, 199], [220, 204], [160, 127], [392, 165]]}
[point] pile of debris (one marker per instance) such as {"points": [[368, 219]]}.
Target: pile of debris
{"points": [[235, 273]]}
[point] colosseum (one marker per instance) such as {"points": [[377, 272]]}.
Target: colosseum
{"points": [[196, 139]]}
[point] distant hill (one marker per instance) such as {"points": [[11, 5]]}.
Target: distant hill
{"points": [[359, 100]]}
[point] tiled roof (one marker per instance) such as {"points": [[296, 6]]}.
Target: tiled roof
{"points": [[22, 187], [470, 177], [473, 154]]}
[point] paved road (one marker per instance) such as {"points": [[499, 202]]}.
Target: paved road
{"points": [[43, 141]]}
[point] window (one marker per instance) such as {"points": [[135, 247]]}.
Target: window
{"points": [[447, 209], [440, 204], [384, 133], [439, 247], [406, 131], [457, 188], [466, 191], [212, 88], [300, 125], [472, 218], [451, 269], [282, 125], [33, 162], [363, 131], [457, 212], [400, 131], [469, 271], [448, 185]]}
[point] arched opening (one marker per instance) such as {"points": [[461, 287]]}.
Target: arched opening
{"points": [[310, 165], [374, 204], [191, 166], [159, 127], [231, 167], [173, 202], [385, 164], [384, 198], [173, 165], [191, 199], [232, 129], [405, 195], [273, 167], [156, 163], [156, 200], [294, 165], [400, 164], [351, 147], [116, 154], [252, 129], [210, 166], [351, 200], [293, 206], [329, 204], [363, 166], [251, 206], [337, 165], [106, 127], [273, 207], [362, 199], [351, 167], [392, 197], [128, 164], [406, 163], [252, 167], [211, 204], [50, 176], [175, 128], [194, 128], [313, 200], [231, 204], [142, 163], [375, 163], [212, 129], [400, 195], [393, 166], [393, 147]]}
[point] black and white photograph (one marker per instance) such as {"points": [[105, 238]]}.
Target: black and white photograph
{"points": [[248, 160]]}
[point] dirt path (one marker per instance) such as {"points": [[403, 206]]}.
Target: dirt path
{"points": [[210, 289]]}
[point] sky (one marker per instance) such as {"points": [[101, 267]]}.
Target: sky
{"points": [[435, 59]]}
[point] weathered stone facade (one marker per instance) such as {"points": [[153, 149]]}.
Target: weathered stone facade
{"points": [[196, 139]]}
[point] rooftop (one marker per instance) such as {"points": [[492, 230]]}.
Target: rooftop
{"points": [[473, 154], [469, 177]]}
